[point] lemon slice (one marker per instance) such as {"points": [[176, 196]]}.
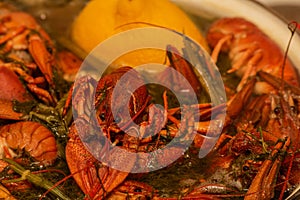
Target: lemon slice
{"points": [[101, 19]]}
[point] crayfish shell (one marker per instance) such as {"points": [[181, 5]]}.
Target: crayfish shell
{"points": [[108, 95]]}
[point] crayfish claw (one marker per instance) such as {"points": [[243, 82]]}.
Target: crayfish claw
{"points": [[262, 187]]}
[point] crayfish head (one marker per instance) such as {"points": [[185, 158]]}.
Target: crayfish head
{"points": [[274, 114], [117, 99], [284, 115]]}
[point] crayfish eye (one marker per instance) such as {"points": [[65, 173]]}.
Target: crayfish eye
{"points": [[137, 190], [50, 50], [277, 110], [246, 168], [117, 119], [293, 109], [248, 152], [102, 116]]}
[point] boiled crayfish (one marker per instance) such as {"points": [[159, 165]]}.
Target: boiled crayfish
{"points": [[250, 50], [97, 179], [257, 150], [262, 134], [29, 74], [28, 51]]}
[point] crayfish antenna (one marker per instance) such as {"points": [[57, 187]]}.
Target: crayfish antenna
{"points": [[144, 23], [293, 25]]}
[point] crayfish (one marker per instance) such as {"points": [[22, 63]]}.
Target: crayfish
{"points": [[259, 144], [31, 100], [106, 117]]}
